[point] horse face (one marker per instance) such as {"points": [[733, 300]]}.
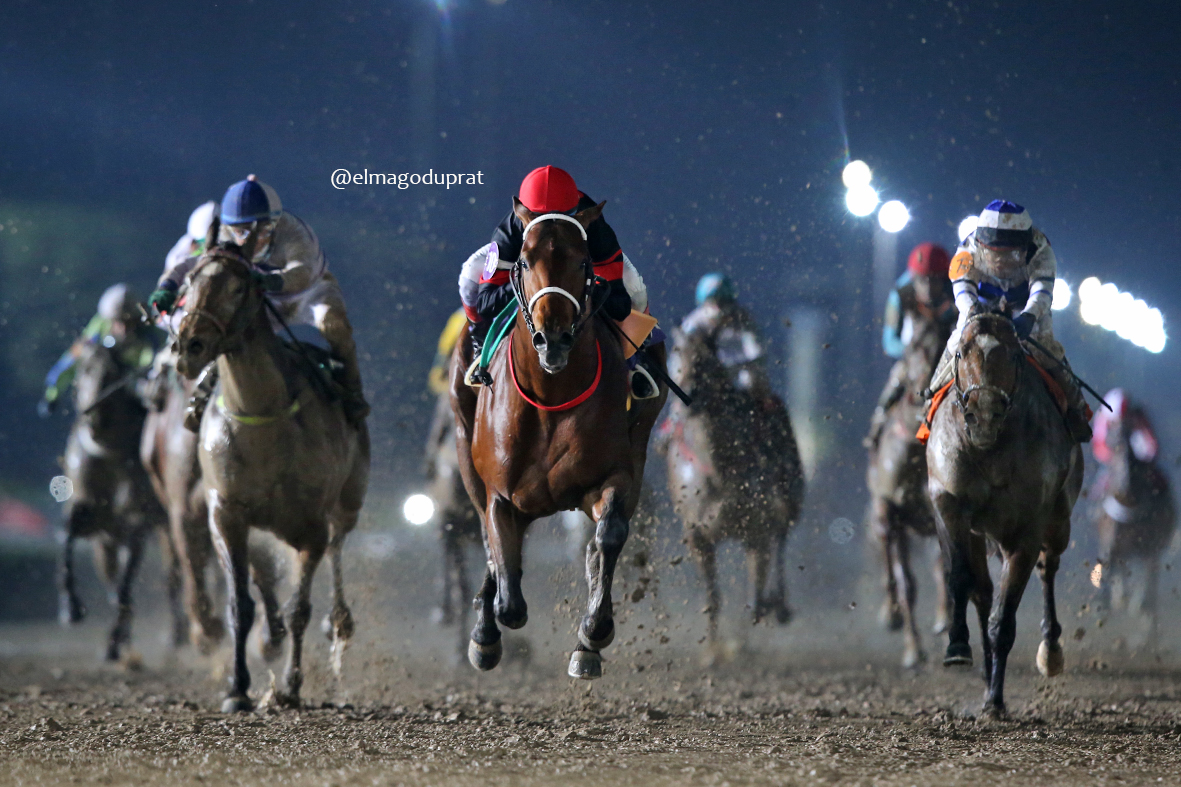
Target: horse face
{"points": [[554, 257], [218, 292], [987, 376]]}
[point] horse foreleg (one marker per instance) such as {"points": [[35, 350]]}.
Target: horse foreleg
{"points": [[597, 629], [887, 537], [940, 625], [484, 649], [190, 535], [981, 596], [705, 552], [229, 539], [782, 610], [70, 608], [506, 534], [342, 618], [1002, 625], [171, 559], [299, 612], [912, 654], [955, 539], [1151, 581], [265, 574], [121, 632], [1049, 653], [758, 565]]}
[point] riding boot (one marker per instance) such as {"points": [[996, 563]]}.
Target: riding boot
{"points": [[206, 382], [1077, 416], [356, 409], [477, 376]]}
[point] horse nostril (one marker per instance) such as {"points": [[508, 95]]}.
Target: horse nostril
{"points": [[970, 418], [196, 347], [566, 339], [539, 341]]}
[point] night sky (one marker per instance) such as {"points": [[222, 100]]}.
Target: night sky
{"points": [[716, 131]]}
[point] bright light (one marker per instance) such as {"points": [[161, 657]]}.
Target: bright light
{"points": [[856, 174], [861, 200], [418, 509], [967, 227], [1062, 295], [893, 216], [1097, 575], [1128, 317]]}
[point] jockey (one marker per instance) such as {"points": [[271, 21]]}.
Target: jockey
{"points": [[115, 325], [484, 287], [1008, 264], [293, 271], [730, 334], [1141, 436], [922, 294]]}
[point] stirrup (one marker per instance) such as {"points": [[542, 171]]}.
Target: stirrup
{"points": [[652, 386], [475, 377]]}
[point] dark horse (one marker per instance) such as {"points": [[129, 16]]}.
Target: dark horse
{"points": [[553, 433], [112, 501], [275, 454], [459, 523], [1001, 466], [734, 472], [897, 479], [1136, 515]]}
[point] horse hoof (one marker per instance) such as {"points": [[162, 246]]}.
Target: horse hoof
{"points": [[585, 665], [1049, 659], [940, 627], [71, 612], [484, 657], [595, 644], [994, 710], [959, 654], [891, 618], [239, 704], [913, 659], [782, 615]]}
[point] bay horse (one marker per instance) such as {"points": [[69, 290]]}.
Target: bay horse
{"points": [[734, 472], [899, 505], [459, 522], [553, 433], [275, 454], [112, 501], [1001, 466], [1137, 515], [168, 452]]}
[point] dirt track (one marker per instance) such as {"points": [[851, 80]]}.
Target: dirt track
{"points": [[820, 701]]}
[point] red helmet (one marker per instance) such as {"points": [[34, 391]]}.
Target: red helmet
{"points": [[549, 190], [928, 259]]}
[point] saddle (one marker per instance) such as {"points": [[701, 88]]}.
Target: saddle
{"points": [[1051, 384]]}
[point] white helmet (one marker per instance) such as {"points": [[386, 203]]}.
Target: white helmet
{"points": [[116, 303], [201, 218]]}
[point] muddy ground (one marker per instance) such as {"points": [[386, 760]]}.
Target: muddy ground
{"points": [[820, 701]]}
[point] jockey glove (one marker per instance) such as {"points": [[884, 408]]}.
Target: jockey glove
{"points": [[270, 281], [1024, 323], [162, 300]]}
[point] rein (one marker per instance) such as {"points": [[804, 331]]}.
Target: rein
{"points": [[512, 371], [583, 313], [961, 394]]}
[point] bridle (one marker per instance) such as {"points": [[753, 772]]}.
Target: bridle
{"points": [[962, 394], [226, 330], [584, 308]]}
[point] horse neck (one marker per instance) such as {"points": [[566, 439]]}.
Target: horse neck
{"points": [[251, 376], [578, 375]]}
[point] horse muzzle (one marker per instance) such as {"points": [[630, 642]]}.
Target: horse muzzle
{"points": [[553, 349], [193, 353]]}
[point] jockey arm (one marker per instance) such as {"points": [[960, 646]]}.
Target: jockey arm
{"points": [[1039, 273], [892, 343]]}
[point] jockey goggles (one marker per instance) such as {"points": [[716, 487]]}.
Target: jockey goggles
{"points": [[1002, 262], [240, 232]]}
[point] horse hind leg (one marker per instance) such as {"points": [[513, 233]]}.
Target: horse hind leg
{"points": [[758, 567], [705, 552], [484, 648], [941, 614], [121, 632], [71, 609], [176, 605], [1049, 652], [1002, 625], [299, 613], [981, 596], [463, 592], [449, 540], [341, 617], [779, 596], [887, 536], [912, 655], [265, 574], [597, 629]]}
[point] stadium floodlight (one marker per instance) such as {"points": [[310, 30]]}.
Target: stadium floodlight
{"points": [[856, 174], [1062, 295], [861, 200], [893, 216], [418, 510]]}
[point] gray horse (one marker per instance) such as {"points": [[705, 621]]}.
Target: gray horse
{"points": [[1002, 466], [1136, 516], [112, 502], [275, 454], [897, 479], [734, 472], [168, 451]]}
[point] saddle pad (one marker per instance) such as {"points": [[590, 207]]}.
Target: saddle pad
{"points": [[1051, 384]]}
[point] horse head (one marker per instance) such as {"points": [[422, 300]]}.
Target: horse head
{"points": [[987, 365], [555, 261], [222, 301]]}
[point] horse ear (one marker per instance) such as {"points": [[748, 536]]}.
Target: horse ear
{"points": [[587, 217], [524, 215]]}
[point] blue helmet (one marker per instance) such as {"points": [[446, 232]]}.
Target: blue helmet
{"points": [[250, 200], [715, 286], [1004, 224]]}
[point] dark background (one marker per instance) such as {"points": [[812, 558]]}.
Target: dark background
{"points": [[716, 131]]}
